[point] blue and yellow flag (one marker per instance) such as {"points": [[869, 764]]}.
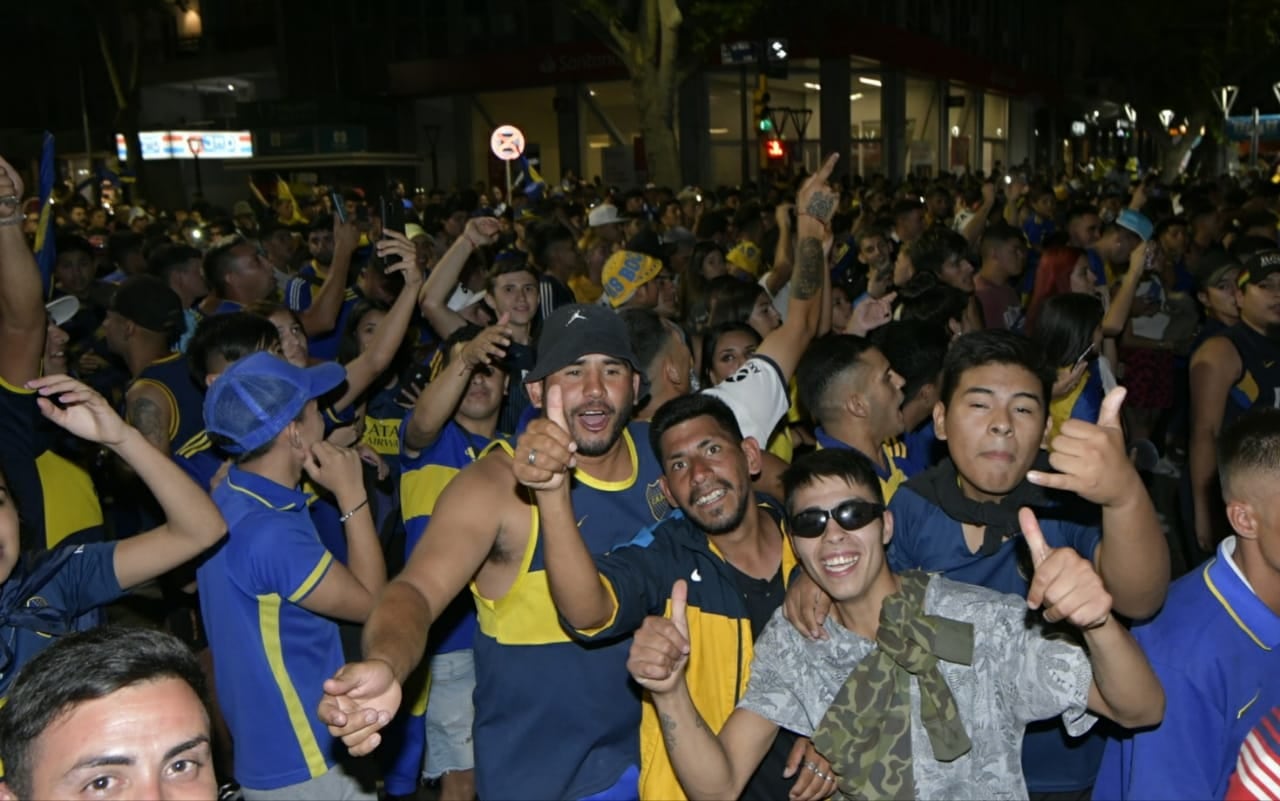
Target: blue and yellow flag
{"points": [[46, 253], [529, 180]]}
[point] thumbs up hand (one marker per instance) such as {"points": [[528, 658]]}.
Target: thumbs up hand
{"points": [[546, 451], [1065, 584], [1091, 459], [660, 649]]}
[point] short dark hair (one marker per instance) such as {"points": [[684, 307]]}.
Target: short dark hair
{"points": [[823, 364], [219, 262], [85, 667], [688, 407], [1065, 326], [541, 236], [322, 222], [168, 259], [995, 346], [906, 206], [348, 345], [1081, 210], [231, 336], [1250, 443], [915, 349], [927, 299], [121, 243], [935, 246], [648, 334], [72, 243], [846, 464], [1000, 233]]}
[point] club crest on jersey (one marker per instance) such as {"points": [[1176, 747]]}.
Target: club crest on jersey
{"points": [[658, 505]]}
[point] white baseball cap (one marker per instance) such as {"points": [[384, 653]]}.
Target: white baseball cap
{"points": [[463, 298], [604, 214], [62, 309]]}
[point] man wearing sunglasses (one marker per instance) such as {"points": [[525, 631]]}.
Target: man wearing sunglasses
{"points": [[726, 540], [960, 518], [923, 686]]}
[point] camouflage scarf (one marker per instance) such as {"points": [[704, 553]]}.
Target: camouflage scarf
{"points": [[866, 733]]}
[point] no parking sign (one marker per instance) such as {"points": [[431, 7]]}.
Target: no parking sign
{"points": [[507, 142]]}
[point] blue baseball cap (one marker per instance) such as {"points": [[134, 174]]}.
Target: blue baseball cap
{"points": [[1136, 222], [258, 396]]}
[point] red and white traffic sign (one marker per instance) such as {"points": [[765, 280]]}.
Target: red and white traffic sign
{"points": [[507, 142]]}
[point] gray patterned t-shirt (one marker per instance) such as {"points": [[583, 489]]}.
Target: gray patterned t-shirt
{"points": [[1019, 675]]}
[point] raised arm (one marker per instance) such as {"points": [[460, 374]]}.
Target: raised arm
{"points": [[811, 280], [480, 231], [439, 399], [363, 696], [22, 315], [1125, 689], [149, 410], [543, 458], [193, 524], [1116, 321], [972, 231], [322, 315], [364, 369], [706, 765], [783, 253], [1133, 557]]}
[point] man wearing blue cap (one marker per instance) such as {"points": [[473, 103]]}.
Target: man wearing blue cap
{"points": [[270, 594]]}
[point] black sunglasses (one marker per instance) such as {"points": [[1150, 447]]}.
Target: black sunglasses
{"points": [[851, 515]]}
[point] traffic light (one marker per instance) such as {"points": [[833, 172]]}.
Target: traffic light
{"points": [[764, 117], [776, 55], [775, 149]]}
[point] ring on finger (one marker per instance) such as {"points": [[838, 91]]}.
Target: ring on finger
{"points": [[811, 765], [533, 456]]}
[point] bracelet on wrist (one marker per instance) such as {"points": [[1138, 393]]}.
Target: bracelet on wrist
{"points": [[16, 219], [355, 509]]}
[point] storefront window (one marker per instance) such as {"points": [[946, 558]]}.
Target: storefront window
{"points": [[995, 131], [924, 116], [865, 126], [962, 127]]}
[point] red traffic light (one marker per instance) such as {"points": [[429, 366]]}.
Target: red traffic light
{"points": [[774, 149]]}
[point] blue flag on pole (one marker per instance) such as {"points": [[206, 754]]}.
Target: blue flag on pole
{"points": [[528, 180], [46, 253]]}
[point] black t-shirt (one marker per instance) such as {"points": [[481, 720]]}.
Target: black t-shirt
{"points": [[761, 598]]}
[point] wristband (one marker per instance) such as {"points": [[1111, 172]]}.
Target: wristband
{"points": [[16, 219], [357, 508]]}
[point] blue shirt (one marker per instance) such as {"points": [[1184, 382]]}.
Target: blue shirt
{"points": [[891, 475], [1215, 647], [422, 480], [925, 538], [271, 656], [298, 296], [82, 584]]}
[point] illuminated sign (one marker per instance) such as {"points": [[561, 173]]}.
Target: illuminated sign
{"points": [[157, 145], [774, 149]]}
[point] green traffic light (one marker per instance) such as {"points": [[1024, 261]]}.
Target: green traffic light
{"points": [[766, 125]]}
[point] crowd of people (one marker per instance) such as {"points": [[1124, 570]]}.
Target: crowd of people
{"points": [[833, 488]]}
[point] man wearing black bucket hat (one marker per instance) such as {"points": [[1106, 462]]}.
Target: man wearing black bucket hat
{"points": [[553, 719]]}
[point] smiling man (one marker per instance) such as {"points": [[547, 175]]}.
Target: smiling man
{"points": [[923, 685], [552, 719], [728, 542], [112, 712]]}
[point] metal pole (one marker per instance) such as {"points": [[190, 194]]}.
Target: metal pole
{"points": [[1253, 144], [508, 163], [199, 183], [84, 120], [742, 108]]}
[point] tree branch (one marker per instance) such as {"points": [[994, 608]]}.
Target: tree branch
{"points": [[603, 16], [670, 19]]}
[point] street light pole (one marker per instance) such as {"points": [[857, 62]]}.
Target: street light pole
{"points": [[1225, 97], [196, 145]]}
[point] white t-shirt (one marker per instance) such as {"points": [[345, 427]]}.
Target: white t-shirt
{"points": [[757, 395]]}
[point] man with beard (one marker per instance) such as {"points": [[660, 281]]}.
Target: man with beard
{"points": [[1230, 374], [552, 719], [728, 542]]}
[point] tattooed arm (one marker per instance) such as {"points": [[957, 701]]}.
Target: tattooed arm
{"points": [[149, 411], [810, 280]]}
